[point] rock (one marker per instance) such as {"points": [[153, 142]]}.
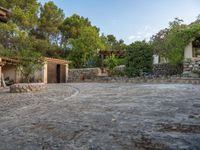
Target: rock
{"points": [[113, 120], [27, 87]]}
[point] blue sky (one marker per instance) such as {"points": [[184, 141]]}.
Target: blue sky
{"points": [[131, 20]]}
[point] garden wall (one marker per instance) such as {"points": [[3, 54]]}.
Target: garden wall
{"points": [[192, 67], [167, 69], [77, 75], [142, 80]]}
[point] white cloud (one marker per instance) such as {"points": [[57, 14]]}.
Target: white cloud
{"points": [[144, 34], [131, 38], [139, 33], [147, 28]]}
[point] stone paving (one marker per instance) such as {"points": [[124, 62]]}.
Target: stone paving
{"points": [[102, 116]]}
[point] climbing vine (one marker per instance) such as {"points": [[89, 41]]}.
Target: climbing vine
{"points": [[170, 43], [179, 40]]}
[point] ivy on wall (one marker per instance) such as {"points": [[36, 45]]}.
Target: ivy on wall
{"points": [[171, 42], [179, 40]]}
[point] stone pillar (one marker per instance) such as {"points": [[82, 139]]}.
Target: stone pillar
{"points": [[18, 75], [188, 52], [67, 72], [45, 73]]}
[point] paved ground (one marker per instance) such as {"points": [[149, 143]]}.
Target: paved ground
{"points": [[93, 116]]}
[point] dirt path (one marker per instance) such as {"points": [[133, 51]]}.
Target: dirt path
{"points": [[94, 116]]}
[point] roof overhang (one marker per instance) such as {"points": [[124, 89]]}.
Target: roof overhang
{"points": [[15, 61], [6, 60], [57, 61], [4, 14]]}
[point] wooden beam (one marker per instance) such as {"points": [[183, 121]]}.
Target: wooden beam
{"points": [[57, 61]]}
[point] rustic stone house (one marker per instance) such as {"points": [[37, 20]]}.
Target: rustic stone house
{"points": [[192, 59], [53, 71], [191, 64]]}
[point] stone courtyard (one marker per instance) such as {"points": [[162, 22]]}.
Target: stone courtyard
{"points": [[102, 116]]}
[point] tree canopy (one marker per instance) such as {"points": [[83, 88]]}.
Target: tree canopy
{"points": [[51, 17], [24, 13], [85, 47], [72, 26], [111, 43]]}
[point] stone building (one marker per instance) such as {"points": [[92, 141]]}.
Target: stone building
{"points": [[191, 64], [53, 71], [192, 59]]}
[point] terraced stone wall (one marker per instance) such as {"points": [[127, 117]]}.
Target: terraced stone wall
{"points": [[167, 69], [78, 75], [192, 67]]}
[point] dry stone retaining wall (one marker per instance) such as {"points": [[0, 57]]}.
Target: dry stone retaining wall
{"points": [[167, 69], [77, 75], [163, 73], [161, 80], [192, 67]]}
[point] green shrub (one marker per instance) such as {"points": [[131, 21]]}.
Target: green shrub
{"points": [[139, 59], [111, 62]]}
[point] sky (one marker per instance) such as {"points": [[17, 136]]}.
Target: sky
{"points": [[131, 20]]}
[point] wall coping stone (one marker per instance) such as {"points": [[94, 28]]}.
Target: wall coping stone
{"points": [[27, 87], [141, 80]]}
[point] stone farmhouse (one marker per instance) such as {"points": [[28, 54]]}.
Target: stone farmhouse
{"points": [[192, 59], [191, 64], [52, 71]]}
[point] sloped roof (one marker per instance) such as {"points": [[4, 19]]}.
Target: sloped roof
{"points": [[5, 60], [57, 61], [47, 59], [4, 9]]}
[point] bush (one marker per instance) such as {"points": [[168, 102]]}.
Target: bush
{"points": [[139, 59], [111, 62]]}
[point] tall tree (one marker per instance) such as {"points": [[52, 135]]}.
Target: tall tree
{"points": [[51, 17], [162, 40], [112, 43], [85, 47], [159, 42], [72, 27]]}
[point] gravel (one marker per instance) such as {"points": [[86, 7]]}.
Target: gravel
{"points": [[101, 116]]}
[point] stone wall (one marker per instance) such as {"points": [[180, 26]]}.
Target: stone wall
{"points": [[192, 67], [77, 75], [27, 87], [156, 80], [167, 69]]}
